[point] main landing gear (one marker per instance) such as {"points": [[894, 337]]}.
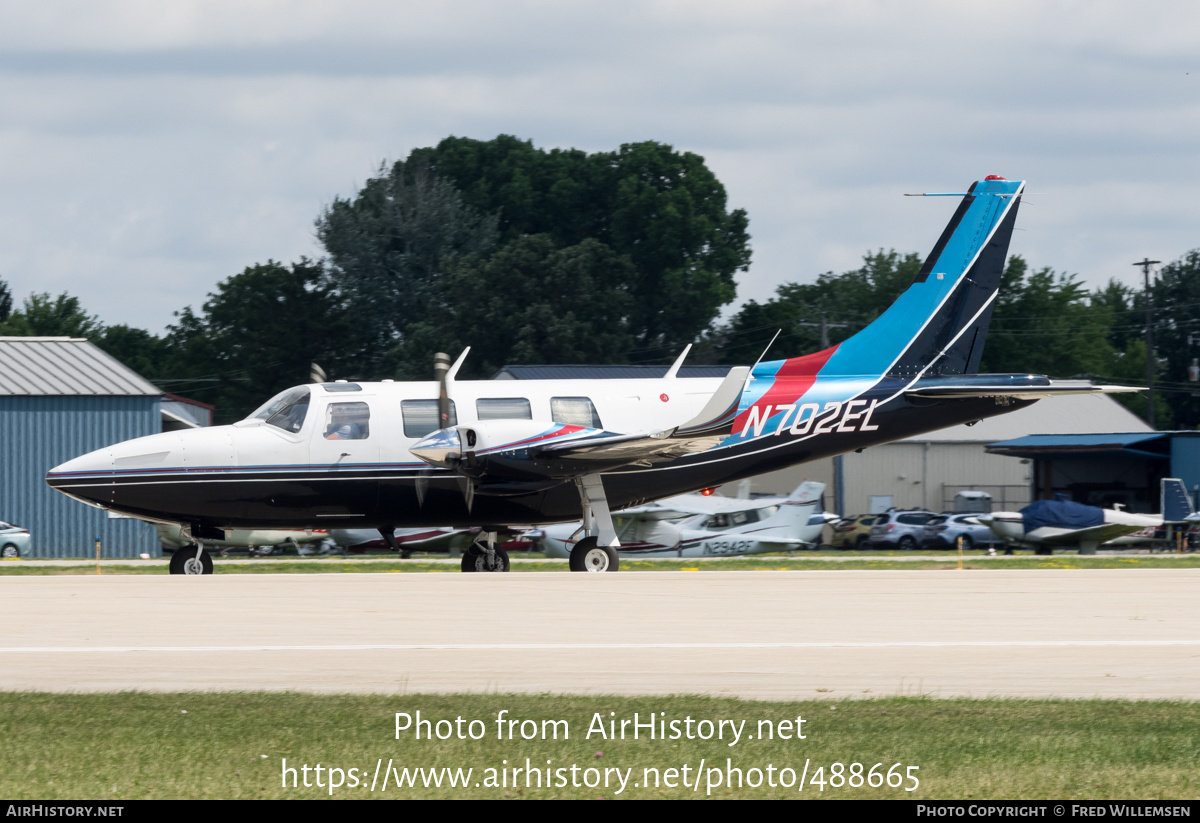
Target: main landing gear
{"points": [[597, 552], [191, 560]]}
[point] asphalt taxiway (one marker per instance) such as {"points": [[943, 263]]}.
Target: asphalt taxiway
{"points": [[773, 635]]}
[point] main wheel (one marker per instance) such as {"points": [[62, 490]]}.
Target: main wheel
{"points": [[907, 543], [185, 561], [478, 562], [262, 551], [10, 550], [589, 556]]}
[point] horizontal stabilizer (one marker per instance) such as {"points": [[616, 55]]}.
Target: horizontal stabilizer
{"points": [[954, 390]]}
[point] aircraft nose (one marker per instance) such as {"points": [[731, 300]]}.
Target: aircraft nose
{"points": [[87, 477]]}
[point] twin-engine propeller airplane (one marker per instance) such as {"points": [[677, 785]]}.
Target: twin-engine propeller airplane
{"points": [[490, 453]]}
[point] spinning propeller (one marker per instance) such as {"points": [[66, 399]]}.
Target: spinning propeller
{"points": [[444, 447]]}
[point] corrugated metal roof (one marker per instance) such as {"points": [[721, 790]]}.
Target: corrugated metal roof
{"points": [[1065, 414], [58, 366], [1144, 444], [603, 372]]}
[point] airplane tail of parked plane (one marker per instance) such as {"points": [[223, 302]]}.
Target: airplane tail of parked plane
{"points": [[796, 510], [1176, 502]]}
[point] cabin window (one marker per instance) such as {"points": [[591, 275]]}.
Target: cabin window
{"points": [[503, 408], [286, 410], [421, 417], [575, 411], [347, 421]]}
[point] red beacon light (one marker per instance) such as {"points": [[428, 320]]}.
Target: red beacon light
{"points": [[707, 492], [993, 177]]}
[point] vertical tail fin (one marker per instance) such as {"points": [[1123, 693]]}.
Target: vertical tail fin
{"points": [[1176, 502], [799, 506], [938, 325]]}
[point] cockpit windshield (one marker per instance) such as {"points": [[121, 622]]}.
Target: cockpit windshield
{"points": [[285, 410]]}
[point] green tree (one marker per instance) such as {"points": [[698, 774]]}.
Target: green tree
{"points": [[848, 301], [256, 335], [1176, 319], [46, 316], [1046, 323], [5, 301], [529, 302], [664, 209], [387, 247], [138, 349]]}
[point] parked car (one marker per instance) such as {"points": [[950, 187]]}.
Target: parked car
{"points": [[14, 540], [942, 532], [901, 529], [854, 531]]}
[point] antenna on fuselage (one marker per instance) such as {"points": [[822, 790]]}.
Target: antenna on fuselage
{"points": [[674, 370], [764, 351]]}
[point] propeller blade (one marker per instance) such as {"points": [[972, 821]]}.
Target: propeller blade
{"points": [[441, 367], [422, 486], [468, 490]]}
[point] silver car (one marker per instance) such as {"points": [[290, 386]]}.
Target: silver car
{"points": [[899, 529], [942, 532], [14, 541]]}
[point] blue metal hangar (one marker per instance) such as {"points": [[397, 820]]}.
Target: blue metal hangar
{"points": [[61, 397], [1104, 469]]}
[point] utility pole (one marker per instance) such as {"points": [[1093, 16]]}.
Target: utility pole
{"points": [[1145, 264], [825, 326]]}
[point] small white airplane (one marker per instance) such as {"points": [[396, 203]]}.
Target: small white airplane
{"points": [[696, 525], [437, 539], [1046, 524], [261, 542], [495, 454]]}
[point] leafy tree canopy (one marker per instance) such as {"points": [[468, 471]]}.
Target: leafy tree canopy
{"points": [[387, 247], [663, 209], [46, 316], [257, 334], [5, 301], [529, 302]]}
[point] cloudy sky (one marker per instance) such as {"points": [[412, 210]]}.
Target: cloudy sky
{"points": [[149, 150]]}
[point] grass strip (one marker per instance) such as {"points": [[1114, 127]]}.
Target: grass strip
{"points": [[755, 563], [209, 745]]}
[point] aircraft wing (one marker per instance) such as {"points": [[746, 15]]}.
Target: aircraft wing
{"points": [[622, 449], [1099, 534], [687, 504], [705, 430]]}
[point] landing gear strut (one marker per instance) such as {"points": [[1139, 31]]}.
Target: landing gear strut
{"points": [[597, 552], [389, 536]]}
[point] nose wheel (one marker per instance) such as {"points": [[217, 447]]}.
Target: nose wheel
{"points": [[485, 556]]}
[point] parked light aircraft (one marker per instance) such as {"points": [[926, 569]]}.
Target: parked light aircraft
{"points": [[490, 453], [258, 541], [1046, 524], [437, 539], [693, 525]]}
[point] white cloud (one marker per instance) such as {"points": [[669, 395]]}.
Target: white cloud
{"points": [[148, 150]]}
